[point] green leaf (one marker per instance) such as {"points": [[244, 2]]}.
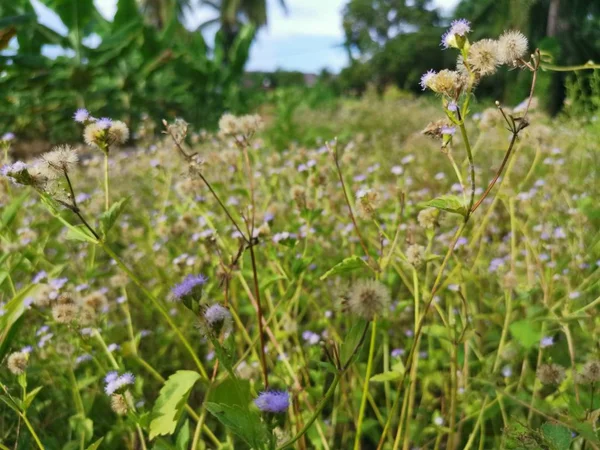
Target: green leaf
{"points": [[242, 422], [271, 280], [183, 437], [170, 403], [386, 376], [11, 403], [353, 342], [311, 214], [526, 332], [82, 425], [448, 203], [79, 233], [75, 15], [347, 265], [108, 218], [232, 391], [17, 20], [300, 265], [95, 445], [557, 436], [31, 396], [9, 212]]}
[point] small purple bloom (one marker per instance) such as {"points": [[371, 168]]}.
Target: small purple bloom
{"points": [[448, 130], [273, 401], [81, 115], [7, 137], [58, 283], [188, 285], [458, 27], [111, 376], [104, 123], [547, 341], [452, 106], [426, 78], [397, 352], [39, 276]]}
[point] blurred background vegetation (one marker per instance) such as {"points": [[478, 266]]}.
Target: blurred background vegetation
{"points": [[149, 65]]}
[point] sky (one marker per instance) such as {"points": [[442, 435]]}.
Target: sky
{"points": [[308, 38]]}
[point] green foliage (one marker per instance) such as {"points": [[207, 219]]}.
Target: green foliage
{"points": [[134, 71], [347, 265], [169, 405], [109, 217], [242, 422], [449, 203]]}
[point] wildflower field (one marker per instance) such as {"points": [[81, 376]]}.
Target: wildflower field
{"points": [[425, 276]]}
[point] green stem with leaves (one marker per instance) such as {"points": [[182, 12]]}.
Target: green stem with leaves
{"points": [[158, 307], [365, 391], [106, 184], [316, 414]]}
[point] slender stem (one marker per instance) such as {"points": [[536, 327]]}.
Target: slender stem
{"points": [[351, 213], [498, 172], [413, 369], [106, 192], [188, 158], [465, 136], [363, 401], [158, 307], [259, 313], [457, 172], [419, 330], [87, 225], [32, 431], [77, 400], [223, 207], [312, 419], [109, 355]]}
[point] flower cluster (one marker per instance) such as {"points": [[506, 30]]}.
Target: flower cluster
{"points": [[113, 382], [476, 60], [101, 133], [273, 401], [218, 319], [245, 126], [17, 362], [368, 298], [191, 285]]}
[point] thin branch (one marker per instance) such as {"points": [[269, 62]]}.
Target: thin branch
{"points": [[373, 263]]}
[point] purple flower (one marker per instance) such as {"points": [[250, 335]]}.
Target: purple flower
{"points": [[81, 115], [114, 382], [111, 376], [426, 78], [311, 337], [273, 401], [397, 352], [58, 283], [452, 106], [7, 137], [458, 27], [104, 123], [188, 285], [547, 341], [83, 358], [448, 130], [39, 276]]}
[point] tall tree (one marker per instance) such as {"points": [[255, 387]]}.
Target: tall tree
{"points": [[160, 12], [391, 41], [231, 15]]}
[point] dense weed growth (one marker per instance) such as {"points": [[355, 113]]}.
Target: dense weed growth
{"points": [[398, 289]]}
